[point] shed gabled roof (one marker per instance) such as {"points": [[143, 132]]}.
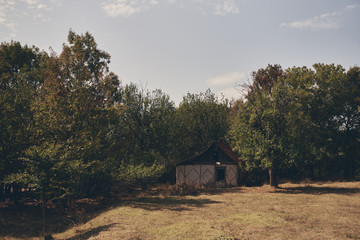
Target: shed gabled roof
{"points": [[205, 157]]}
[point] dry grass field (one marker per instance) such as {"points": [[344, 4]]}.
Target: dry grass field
{"points": [[295, 211]]}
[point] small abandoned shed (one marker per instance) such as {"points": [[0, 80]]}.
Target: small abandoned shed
{"points": [[218, 166]]}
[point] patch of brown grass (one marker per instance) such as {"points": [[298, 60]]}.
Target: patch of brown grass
{"points": [[294, 211]]}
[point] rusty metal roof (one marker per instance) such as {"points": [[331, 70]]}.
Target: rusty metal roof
{"points": [[206, 156]]}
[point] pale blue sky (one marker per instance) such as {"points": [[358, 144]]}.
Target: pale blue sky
{"points": [[185, 46]]}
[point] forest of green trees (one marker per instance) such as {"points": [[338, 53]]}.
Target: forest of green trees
{"points": [[299, 123], [70, 128]]}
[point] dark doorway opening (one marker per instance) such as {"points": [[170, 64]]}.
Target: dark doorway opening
{"points": [[220, 174]]}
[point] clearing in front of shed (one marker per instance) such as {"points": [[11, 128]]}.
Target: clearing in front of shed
{"points": [[295, 211]]}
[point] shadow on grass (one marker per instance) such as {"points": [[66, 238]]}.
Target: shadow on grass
{"points": [[168, 203], [91, 233], [319, 190], [26, 221], [179, 191]]}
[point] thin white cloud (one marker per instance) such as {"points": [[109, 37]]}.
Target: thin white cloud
{"points": [[7, 7], [126, 8], [218, 7], [323, 21], [226, 7], [11, 11], [154, 2], [226, 84], [230, 93], [349, 7], [41, 6], [31, 2], [227, 79], [11, 3]]}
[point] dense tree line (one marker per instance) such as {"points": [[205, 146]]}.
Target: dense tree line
{"points": [[300, 123], [69, 128]]}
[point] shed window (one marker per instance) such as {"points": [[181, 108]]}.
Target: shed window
{"points": [[220, 174]]}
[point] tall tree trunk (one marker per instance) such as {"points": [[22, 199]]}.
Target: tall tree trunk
{"points": [[311, 174], [2, 186], [273, 177], [43, 213], [16, 194]]}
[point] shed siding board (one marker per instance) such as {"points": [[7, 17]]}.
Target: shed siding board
{"points": [[196, 175], [207, 174], [231, 175], [192, 175], [180, 175]]}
